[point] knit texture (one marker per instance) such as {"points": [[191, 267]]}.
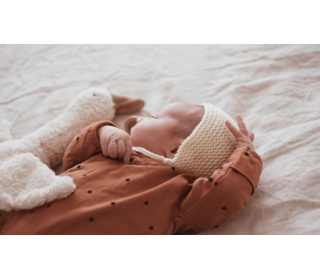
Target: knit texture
{"points": [[207, 148]]}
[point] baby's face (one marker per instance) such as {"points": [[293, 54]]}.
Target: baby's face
{"points": [[164, 132]]}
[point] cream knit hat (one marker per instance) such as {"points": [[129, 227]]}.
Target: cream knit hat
{"points": [[206, 149]]}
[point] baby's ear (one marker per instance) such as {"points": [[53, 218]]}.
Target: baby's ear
{"points": [[5, 133], [129, 123]]}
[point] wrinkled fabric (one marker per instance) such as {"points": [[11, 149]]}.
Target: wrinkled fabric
{"points": [[274, 87]]}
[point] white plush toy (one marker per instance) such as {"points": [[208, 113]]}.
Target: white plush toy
{"points": [[26, 178]]}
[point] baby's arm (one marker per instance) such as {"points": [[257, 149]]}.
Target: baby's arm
{"points": [[84, 145], [213, 201]]}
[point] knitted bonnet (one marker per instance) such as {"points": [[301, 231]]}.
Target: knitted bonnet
{"points": [[206, 149]]}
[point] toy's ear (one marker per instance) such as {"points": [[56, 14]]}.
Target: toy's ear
{"points": [[126, 105], [5, 133]]}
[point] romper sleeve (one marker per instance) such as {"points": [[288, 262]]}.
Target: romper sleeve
{"points": [[84, 145], [212, 201]]}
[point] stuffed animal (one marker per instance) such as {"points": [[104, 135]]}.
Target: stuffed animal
{"points": [[26, 177]]}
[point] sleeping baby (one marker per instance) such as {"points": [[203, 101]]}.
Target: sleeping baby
{"points": [[186, 169]]}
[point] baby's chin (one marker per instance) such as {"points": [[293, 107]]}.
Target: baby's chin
{"points": [[133, 137], [138, 140]]}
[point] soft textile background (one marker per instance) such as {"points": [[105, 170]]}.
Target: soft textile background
{"points": [[276, 88]]}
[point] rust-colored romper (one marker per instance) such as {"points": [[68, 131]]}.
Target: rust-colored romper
{"points": [[145, 197]]}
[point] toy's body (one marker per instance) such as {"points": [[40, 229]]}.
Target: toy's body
{"points": [[26, 178]]}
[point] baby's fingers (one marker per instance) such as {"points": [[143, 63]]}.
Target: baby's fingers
{"points": [[121, 149], [236, 133], [113, 149], [251, 136], [242, 126], [126, 159]]}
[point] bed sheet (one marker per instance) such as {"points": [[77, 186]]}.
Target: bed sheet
{"points": [[276, 88]]}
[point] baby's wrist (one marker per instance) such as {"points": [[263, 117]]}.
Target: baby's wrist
{"points": [[249, 145], [100, 130]]}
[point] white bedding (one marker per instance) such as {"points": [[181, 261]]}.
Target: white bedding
{"points": [[276, 88]]}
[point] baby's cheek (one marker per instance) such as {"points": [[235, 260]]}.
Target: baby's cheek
{"points": [[136, 136], [143, 131]]}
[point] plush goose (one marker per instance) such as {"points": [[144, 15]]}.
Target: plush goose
{"points": [[26, 176]]}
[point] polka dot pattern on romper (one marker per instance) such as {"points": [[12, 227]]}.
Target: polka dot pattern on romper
{"points": [[78, 166], [173, 168], [151, 227], [216, 183], [210, 180], [89, 191], [128, 180], [224, 208], [113, 203], [91, 219], [146, 202], [246, 153]]}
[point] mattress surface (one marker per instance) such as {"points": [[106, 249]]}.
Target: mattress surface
{"points": [[276, 88]]}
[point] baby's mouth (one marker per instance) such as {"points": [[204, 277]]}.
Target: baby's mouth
{"points": [[130, 123]]}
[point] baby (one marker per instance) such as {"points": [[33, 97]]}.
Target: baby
{"points": [[184, 170], [163, 133]]}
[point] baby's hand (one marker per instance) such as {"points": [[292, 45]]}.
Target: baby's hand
{"points": [[244, 137], [115, 143]]}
